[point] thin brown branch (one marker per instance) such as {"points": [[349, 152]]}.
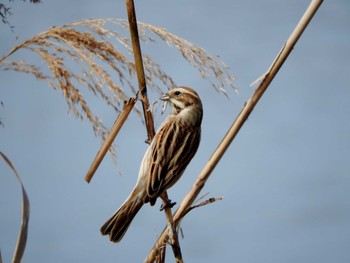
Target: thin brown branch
{"points": [[173, 236], [139, 68], [128, 106], [174, 240], [205, 202], [242, 117]]}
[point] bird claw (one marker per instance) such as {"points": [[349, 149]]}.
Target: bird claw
{"points": [[167, 205]]}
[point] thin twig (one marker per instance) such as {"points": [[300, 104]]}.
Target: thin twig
{"points": [[242, 117], [128, 106], [205, 202], [139, 68], [147, 113], [173, 236]]}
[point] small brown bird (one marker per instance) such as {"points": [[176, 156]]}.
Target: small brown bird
{"points": [[165, 160]]}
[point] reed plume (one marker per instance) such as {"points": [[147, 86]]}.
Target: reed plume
{"points": [[93, 55]]}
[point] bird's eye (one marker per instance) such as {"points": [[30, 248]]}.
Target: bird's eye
{"points": [[177, 93]]}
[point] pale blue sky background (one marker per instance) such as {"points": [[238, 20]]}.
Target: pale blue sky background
{"points": [[285, 179]]}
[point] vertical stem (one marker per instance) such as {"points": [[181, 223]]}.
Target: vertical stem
{"points": [[139, 68], [145, 105]]}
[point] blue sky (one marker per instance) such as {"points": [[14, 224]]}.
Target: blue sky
{"points": [[285, 179]]}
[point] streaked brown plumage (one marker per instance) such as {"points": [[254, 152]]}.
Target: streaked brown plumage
{"points": [[165, 160]]}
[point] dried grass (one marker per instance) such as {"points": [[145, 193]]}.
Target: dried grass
{"points": [[84, 54], [23, 232]]}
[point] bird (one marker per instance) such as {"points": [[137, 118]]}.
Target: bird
{"points": [[165, 160]]}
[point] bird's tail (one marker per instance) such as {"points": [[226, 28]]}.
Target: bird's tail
{"points": [[118, 224]]}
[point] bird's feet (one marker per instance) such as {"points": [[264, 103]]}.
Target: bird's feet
{"points": [[168, 204]]}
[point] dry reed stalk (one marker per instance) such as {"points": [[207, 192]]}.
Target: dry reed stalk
{"points": [[134, 34], [238, 123], [128, 106], [142, 89], [139, 68]]}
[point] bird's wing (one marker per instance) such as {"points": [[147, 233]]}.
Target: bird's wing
{"points": [[172, 149]]}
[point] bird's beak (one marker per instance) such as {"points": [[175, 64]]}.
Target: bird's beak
{"points": [[165, 97]]}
